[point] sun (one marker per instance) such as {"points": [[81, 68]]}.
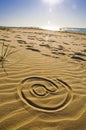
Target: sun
{"points": [[53, 2]]}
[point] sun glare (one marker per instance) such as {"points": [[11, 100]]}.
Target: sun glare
{"points": [[52, 28], [53, 2], [50, 25]]}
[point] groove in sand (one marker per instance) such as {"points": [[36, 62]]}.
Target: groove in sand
{"points": [[48, 86]]}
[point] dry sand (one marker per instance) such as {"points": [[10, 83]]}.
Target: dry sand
{"points": [[43, 83]]}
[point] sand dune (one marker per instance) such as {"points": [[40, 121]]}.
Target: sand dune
{"points": [[43, 82]]}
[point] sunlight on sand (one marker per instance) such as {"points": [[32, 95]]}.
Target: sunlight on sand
{"points": [[42, 84]]}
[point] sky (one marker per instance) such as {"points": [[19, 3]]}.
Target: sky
{"points": [[43, 13]]}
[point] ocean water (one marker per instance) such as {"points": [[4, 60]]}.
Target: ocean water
{"points": [[76, 30]]}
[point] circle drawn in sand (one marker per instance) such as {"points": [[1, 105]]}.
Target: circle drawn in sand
{"points": [[44, 94]]}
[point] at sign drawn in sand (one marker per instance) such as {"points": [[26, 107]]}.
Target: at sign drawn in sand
{"points": [[43, 89]]}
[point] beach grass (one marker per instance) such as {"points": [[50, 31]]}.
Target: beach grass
{"points": [[6, 51]]}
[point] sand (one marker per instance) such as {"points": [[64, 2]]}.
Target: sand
{"points": [[43, 82]]}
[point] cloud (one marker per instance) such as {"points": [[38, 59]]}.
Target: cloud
{"points": [[53, 2]]}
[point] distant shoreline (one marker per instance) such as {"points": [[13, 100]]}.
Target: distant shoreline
{"points": [[63, 29]]}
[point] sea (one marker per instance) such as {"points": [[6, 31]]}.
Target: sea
{"points": [[75, 30]]}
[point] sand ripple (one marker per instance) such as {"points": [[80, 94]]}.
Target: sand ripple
{"points": [[43, 84]]}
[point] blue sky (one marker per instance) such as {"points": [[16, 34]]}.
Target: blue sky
{"points": [[43, 13]]}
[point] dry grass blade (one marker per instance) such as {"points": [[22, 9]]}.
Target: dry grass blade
{"points": [[5, 52]]}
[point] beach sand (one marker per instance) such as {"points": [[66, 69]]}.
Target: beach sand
{"points": [[43, 82]]}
